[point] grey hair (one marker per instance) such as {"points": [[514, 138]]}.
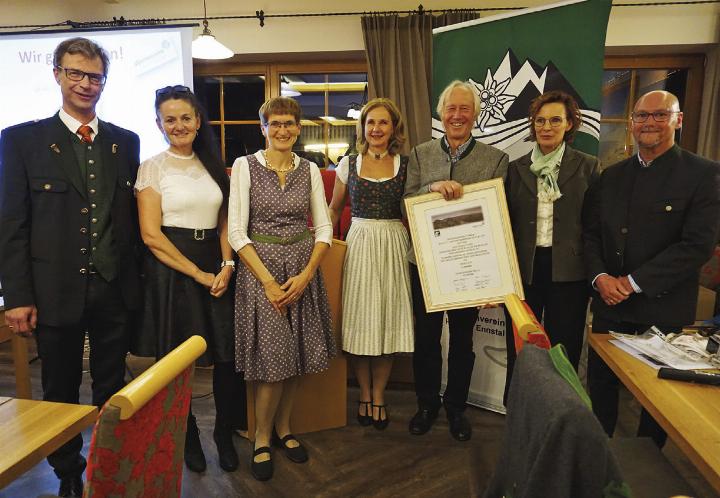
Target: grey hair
{"points": [[464, 85]]}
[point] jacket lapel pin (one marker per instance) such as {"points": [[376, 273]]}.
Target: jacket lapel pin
{"points": [[55, 148], [114, 148]]}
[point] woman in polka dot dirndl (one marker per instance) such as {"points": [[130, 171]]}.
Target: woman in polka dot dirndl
{"points": [[282, 317]]}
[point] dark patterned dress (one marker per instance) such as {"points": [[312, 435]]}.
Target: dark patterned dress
{"points": [[270, 347]]}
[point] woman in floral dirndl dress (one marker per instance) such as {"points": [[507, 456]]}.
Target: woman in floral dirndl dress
{"points": [[377, 305]]}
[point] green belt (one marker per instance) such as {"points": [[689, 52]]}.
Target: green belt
{"points": [[272, 239]]}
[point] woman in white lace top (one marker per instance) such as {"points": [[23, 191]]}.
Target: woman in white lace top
{"points": [[182, 196]]}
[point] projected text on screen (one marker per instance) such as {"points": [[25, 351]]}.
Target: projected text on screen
{"points": [[141, 60]]}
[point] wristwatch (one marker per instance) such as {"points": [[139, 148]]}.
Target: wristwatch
{"points": [[228, 263]]}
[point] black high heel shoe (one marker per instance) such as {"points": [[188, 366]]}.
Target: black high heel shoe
{"points": [[366, 419], [381, 423]]}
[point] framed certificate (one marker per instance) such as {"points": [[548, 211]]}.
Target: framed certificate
{"points": [[464, 248]]}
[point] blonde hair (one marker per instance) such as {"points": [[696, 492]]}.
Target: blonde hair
{"points": [[398, 137]]}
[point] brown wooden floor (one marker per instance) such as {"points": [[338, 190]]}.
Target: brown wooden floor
{"points": [[351, 461]]}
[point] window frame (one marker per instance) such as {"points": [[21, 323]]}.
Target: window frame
{"points": [[695, 66], [272, 72]]}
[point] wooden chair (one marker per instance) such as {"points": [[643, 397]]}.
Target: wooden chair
{"points": [[526, 327], [139, 438], [341, 230], [20, 360], [553, 444]]}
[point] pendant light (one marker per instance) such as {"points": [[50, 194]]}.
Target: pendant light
{"points": [[206, 46]]}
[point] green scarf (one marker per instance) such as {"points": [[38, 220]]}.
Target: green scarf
{"points": [[547, 167]]}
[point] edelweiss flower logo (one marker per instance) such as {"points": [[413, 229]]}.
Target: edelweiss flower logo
{"points": [[504, 97], [493, 100]]}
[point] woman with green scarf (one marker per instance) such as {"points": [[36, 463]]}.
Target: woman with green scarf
{"points": [[545, 192]]}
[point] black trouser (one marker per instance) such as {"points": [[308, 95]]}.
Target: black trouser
{"points": [[106, 321], [427, 358], [230, 396], [603, 383], [560, 306]]}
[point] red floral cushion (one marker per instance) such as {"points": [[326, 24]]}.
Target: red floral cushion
{"points": [[143, 455]]}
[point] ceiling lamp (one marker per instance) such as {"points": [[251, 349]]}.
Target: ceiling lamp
{"points": [[286, 90], [206, 46], [354, 109]]}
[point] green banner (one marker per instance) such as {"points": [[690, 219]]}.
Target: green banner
{"points": [[512, 58]]}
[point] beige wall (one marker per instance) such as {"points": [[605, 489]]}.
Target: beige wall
{"points": [[629, 26]]}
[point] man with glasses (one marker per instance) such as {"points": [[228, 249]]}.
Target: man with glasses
{"points": [[650, 223], [69, 240]]}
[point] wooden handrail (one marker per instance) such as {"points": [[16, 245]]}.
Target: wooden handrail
{"points": [[520, 317], [146, 385]]}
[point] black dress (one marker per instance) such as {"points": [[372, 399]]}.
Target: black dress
{"points": [[176, 307]]}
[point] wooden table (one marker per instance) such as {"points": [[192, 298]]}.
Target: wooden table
{"points": [[30, 430], [689, 413], [20, 359]]}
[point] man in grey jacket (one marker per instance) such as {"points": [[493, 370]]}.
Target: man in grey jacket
{"points": [[444, 166]]}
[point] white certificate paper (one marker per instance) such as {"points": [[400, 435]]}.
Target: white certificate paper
{"points": [[464, 247]]}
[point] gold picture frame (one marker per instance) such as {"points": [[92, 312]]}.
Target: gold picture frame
{"points": [[464, 248]]}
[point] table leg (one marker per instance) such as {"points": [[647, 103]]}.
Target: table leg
{"points": [[22, 370]]}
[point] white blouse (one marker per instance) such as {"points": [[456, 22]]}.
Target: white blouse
{"points": [[239, 204], [342, 169], [544, 227], [190, 198]]}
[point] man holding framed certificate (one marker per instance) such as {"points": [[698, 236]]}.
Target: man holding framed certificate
{"points": [[444, 166]]}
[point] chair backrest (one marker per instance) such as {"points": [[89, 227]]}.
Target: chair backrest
{"points": [[553, 444], [341, 230], [526, 327], [328, 178], [138, 441], [332, 267]]}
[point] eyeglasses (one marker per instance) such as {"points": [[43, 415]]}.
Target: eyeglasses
{"points": [[276, 125], [77, 75], [161, 92], [658, 116], [555, 122]]}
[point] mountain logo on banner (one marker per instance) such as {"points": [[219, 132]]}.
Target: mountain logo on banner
{"points": [[505, 98]]}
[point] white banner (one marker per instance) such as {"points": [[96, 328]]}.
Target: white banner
{"points": [[488, 377]]}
